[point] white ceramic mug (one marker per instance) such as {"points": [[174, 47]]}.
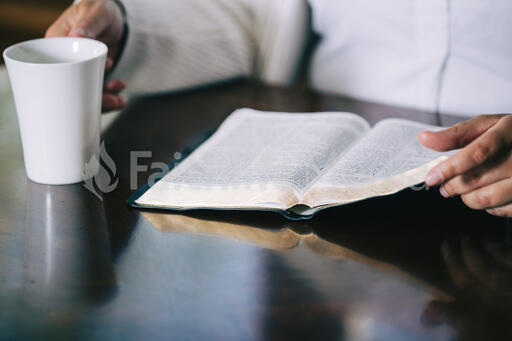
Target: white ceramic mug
{"points": [[57, 86]]}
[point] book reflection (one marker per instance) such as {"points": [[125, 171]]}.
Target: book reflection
{"points": [[363, 294]]}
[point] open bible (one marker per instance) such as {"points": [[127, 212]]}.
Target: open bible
{"points": [[295, 163]]}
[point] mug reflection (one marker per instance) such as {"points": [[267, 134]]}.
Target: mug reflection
{"points": [[67, 265]]}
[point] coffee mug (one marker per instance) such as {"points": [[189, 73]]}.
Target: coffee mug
{"points": [[57, 86]]}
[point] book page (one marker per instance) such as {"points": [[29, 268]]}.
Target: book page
{"points": [[258, 159], [389, 158]]}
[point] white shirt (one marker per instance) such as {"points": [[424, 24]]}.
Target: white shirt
{"points": [[439, 55]]}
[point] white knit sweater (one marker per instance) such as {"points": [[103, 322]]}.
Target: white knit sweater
{"points": [[447, 55]]}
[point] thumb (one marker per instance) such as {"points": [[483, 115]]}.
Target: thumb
{"points": [[84, 29], [459, 135], [88, 25]]}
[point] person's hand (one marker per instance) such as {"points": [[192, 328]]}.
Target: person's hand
{"points": [[481, 173], [101, 20], [482, 275]]}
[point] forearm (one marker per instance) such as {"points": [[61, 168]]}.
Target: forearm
{"points": [[175, 44]]}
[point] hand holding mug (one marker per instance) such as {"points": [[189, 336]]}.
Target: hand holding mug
{"points": [[101, 20]]}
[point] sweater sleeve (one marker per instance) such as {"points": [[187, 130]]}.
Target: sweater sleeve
{"points": [[176, 44]]}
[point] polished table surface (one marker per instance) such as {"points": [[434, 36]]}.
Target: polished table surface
{"points": [[75, 266]]}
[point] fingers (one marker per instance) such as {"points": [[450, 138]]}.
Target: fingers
{"points": [[478, 177], [85, 19], [61, 26], [459, 135], [90, 19], [489, 197], [58, 29], [484, 148], [503, 211], [109, 63], [114, 86], [95, 19], [111, 100], [480, 172]]}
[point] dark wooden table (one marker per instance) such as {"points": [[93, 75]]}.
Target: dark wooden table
{"points": [[73, 266]]}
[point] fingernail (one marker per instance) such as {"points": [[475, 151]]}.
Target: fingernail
{"points": [[443, 192], [434, 178]]}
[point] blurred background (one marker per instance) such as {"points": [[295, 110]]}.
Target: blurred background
{"points": [[27, 19]]}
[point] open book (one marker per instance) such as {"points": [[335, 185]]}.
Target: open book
{"points": [[294, 163]]}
